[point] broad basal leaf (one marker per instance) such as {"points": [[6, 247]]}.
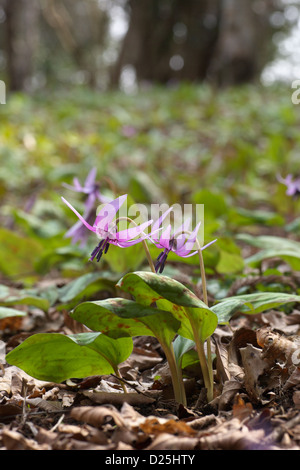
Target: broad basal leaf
{"points": [[253, 303], [171, 295], [10, 296], [55, 357], [10, 312], [85, 285], [272, 247], [121, 317]]}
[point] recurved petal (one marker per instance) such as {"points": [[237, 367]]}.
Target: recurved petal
{"points": [[159, 221], [79, 215], [132, 232], [91, 178], [164, 240], [109, 210]]}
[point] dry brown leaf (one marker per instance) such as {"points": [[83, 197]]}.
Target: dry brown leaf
{"points": [[118, 398], [47, 405], [296, 399], [254, 367], [159, 426], [293, 380], [143, 359], [280, 321], [130, 414], [277, 347], [241, 337], [222, 360], [241, 410], [236, 439], [97, 415], [203, 422], [73, 430], [166, 441], [230, 389], [9, 409], [13, 440], [126, 436], [12, 323]]}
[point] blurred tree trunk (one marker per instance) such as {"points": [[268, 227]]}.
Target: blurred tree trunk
{"points": [[21, 41], [220, 40], [243, 43], [81, 28]]}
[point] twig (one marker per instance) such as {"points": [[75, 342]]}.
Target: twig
{"points": [[131, 385]]}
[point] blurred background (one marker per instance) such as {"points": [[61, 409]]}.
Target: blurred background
{"points": [[170, 101], [126, 43]]}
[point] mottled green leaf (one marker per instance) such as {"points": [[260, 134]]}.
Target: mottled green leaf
{"points": [[56, 357]]}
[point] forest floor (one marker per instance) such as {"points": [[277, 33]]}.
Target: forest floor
{"points": [[256, 404]]}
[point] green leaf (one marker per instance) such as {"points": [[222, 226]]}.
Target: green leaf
{"points": [[148, 287], [123, 317], [272, 247], [226, 308], [85, 285], [181, 345], [17, 254], [215, 203], [115, 350], [126, 317], [10, 296], [230, 259], [243, 216], [171, 295], [55, 357], [11, 312], [254, 303]]}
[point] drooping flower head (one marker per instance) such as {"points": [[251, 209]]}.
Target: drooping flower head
{"points": [[92, 189], [293, 185], [181, 241], [105, 227]]}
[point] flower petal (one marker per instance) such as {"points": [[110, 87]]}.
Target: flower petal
{"points": [[159, 221], [164, 241], [132, 232], [191, 238], [182, 236], [208, 244], [79, 216], [108, 212], [186, 253], [91, 178]]}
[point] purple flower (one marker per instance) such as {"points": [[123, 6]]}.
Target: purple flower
{"points": [[180, 242], [293, 186], [92, 189], [106, 228]]}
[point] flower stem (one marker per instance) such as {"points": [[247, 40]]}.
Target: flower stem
{"points": [[118, 375], [177, 382], [205, 300], [206, 364]]}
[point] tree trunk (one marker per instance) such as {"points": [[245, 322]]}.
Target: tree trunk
{"points": [[21, 41], [169, 39], [192, 40], [241, 46]]}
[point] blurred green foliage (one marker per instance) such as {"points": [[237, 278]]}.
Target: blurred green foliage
{"points": [[186, 144]]}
